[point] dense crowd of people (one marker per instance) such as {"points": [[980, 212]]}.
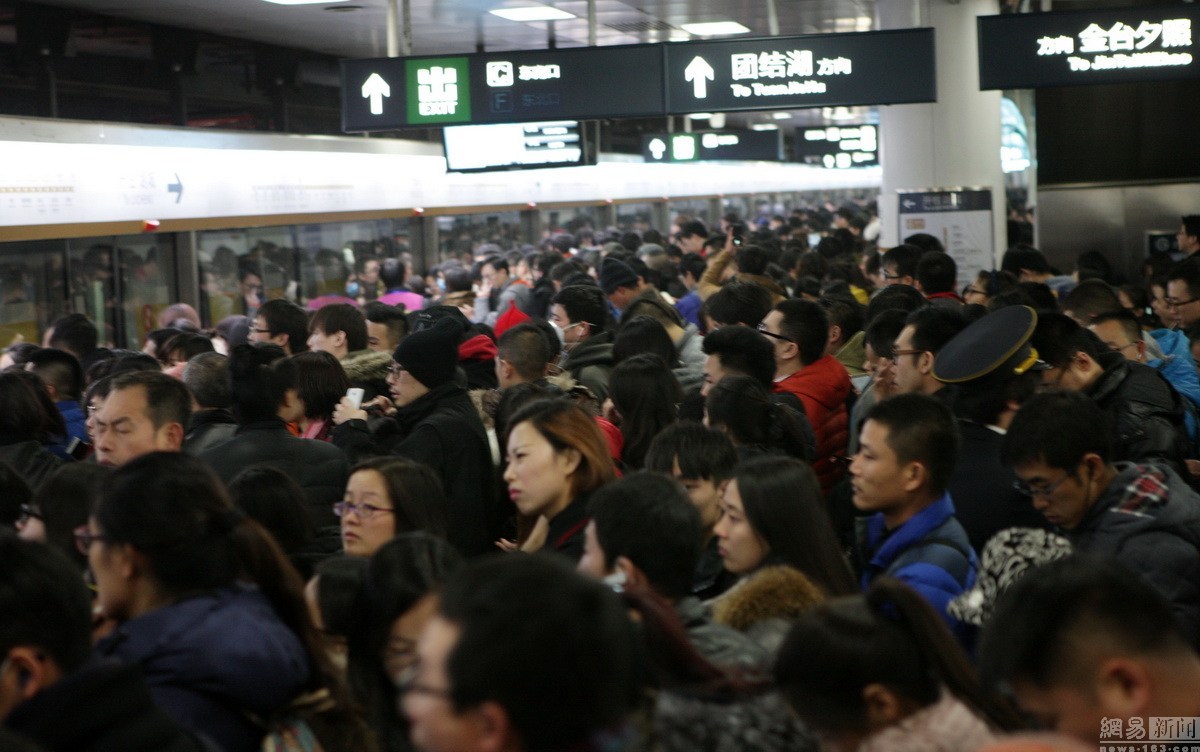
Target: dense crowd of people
{"points": [[719, 489]]}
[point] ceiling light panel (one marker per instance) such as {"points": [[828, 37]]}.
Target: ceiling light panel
{"points": [[529, 13], [714, 28]]}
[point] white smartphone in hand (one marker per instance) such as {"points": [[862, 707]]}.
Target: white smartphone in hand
{"points": [[355, 395]]}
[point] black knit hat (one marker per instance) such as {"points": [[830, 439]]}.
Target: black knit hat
{"points": [[431, 355], [615, 273]]}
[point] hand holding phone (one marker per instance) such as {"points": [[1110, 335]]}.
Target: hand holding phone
{"points": [[355, 395]]}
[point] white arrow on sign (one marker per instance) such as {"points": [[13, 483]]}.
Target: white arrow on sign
{"points": [[699, 72], [375, 89], [657, 148]]}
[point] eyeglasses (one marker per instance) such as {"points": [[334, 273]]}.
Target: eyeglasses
{"points": [[28, 511], [1044, 491], [406, 683], [364, 511], [395, 371], [968, 290], [84, 539], [260, 331], [892, 276], [898, 353], [762, 329], [1174, 303], [1119, 348]]}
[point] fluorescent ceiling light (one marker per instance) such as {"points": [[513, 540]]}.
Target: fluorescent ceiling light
{"points": [[764, 127], [304, 2], [700, 116], [714, 28], [527, 13], [782, 116]]}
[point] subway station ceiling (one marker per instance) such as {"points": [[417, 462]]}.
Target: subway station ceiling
{"points": [[358, 28]]}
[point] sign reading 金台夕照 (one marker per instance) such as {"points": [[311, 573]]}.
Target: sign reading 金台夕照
{"points": [[502, 87], [1032, 50], [818, 70]]}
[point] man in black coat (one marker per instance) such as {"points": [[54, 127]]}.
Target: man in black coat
{"points": [[994, 370], [1146, 411], [51, 691], [437, 425], [264, 387]]}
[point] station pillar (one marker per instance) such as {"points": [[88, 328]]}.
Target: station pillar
{"points": [[955, 141]]}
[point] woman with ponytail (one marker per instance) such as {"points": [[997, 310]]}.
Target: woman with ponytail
{"points": [[881, 671], [774, 533], [758, 425], [208, 607]]}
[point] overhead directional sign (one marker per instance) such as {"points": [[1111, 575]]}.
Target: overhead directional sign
{"points": [[882, 67], [648, 80], [1032, 50], [502, 87], [838, 147], [710, 145]]}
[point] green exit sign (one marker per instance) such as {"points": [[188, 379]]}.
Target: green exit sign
{"points": [[439, 90]]}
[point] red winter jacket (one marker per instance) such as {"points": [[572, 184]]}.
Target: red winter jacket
{"points": [[823, 386]]}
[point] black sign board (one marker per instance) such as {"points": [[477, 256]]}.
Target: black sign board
{"points": [[1032, 50], [819, 70], [838, 147], [711, 145], [502, 87]]}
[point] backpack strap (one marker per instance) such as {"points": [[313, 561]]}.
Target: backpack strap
{"points": [[939, 551]]}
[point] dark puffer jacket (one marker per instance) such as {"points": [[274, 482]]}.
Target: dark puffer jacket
{"points": [[1148, 519], [1147, 413], [214, 660], [442, 430], [104, 705], [591, 362]]}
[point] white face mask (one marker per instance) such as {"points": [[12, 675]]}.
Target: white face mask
{"points": [[616, 581]]}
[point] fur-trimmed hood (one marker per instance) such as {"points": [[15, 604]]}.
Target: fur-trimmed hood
{"points": [[775, 592], [367, 365]]}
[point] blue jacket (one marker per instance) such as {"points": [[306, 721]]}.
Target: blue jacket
{"points": [[73, 415], [930, 553], [1178, 367], [212, 659], [689, 307]]}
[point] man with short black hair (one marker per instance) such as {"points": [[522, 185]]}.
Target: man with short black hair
{"points": [[207, 378], [1146, 411], [1028, 264], [1183, 294], [1188, 236], [340, 329], [702, 459], [692, 237], [523, 655], [60, 372], [846, 335], [644, 533], [691, 269], [737, 302], [1060, 445], [281, 322], [899, 265], [498, 291], [907, 451], [522, 356], [799, 332], [76, 334], [733, 350], [1085, 646], [581, 313], [937, 278], [52, 691], [145, 411], [386, 326], [925, 332]]}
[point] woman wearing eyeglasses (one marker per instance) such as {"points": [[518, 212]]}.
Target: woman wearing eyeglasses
{"points": [[387, 496], [207, 607]]}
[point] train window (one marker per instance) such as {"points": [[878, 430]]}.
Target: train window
{"points": [[147, 284], [692, 209], [576, 221], [32, 292], [635, 217]]}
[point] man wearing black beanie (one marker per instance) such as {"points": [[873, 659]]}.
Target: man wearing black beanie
{"points": [[436, 425]]}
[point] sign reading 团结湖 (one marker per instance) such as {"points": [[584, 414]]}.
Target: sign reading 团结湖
{"points": [[585, 83], [1033, 50]]}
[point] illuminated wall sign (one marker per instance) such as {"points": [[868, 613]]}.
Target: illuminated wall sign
{"points": [[504, 147], [838, 147], [502, 87], [881, 67], [711, 145], [1032, 50]]}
